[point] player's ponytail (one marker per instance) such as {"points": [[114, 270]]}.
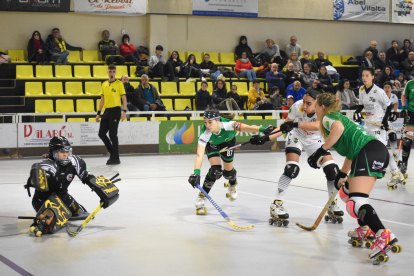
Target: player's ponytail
{"points": [[331, 103]]}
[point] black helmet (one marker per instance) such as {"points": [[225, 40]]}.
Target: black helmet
{"points": [[59, 143]]}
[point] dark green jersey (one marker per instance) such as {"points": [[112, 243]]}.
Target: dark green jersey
{"points": [[352, 140], [409, 93], [228, 130]]}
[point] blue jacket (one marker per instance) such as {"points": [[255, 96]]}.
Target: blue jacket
{"points": [[296, 95], [273, 80]]}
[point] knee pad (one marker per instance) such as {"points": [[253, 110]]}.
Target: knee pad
{"points": [[215, 172], [344, 192], [230, 175], [392, 136], [356, 200], [292, 169], [331, 170], [407, 142]]}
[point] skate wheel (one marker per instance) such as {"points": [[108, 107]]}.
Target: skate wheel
{"points": [[389, 187], [350, 241], [38, 234], [270, 221], [403, 182], [227, 195], [368, 244], [396, 248], [279, 223], [395, 187], [334, 220], [285, 223], [32, 229], [340, 220], [382, 258], [197, 213], [326, 218], [354, 243], [205, 211], [405, 176], [226, 185]]}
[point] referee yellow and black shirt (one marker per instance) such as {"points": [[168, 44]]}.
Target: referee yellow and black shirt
{"points": [[112, 92]]}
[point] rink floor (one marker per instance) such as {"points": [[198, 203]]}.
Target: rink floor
{"points": [[153, 229]]}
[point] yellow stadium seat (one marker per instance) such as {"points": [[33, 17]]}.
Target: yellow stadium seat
{"points": [[82, 71], [181, 104], [168, 104], [2, 51], [209, 87], [44, 72], [160, 119], [335, 59], [64, 106], [91, 56], [227, 58], [54, 120], [17, 54], [345, 58], [63, 72], [316, 56], [54, 89], [156, 85], [93, 88], [194, 105], [135, 119], [180, 53], [97, 106], [100, 72], [85, 106], [197, 55], [74, 57], [44, 106], [76, 120], [93, 119], [254, 118], [33, 89], [187, 89], [135, 84], [242, 89], [120, 71], [169, 89], [213, 57], [24, 72], [268, 117], [74, 88], [178, 119]]}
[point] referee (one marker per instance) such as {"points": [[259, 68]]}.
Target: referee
{"points": [[112, 92]]}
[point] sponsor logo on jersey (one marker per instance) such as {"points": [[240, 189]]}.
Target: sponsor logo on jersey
{"points": [[295, 140], [362, 170], [237, 126], [372, 99], [377, 165], [301, 109], [327, 124], [69, 177]]}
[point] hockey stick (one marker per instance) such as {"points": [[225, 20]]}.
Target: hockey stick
{"points": [[87, 220], [245, 143], [229, 221], [71, 219], [380, 125]]}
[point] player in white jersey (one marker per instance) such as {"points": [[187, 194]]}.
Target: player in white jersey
{"points": [[301, 116], [378, 108]]}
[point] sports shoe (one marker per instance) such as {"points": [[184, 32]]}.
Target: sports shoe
{"points": [[191, 80], [203, 79]]}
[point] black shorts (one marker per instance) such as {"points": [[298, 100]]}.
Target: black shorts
{"points": [[214, 151], [409, 120], [372, 160]]}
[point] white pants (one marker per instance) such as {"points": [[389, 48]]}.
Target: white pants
{"points": [[310, 145]]}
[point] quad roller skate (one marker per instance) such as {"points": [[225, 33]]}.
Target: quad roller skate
{"points": [[334, 214], [200, 204], [231, 192], [386, 241], [42, 223], [397, 178], [403, 169], [360, 235], [278, 214]]}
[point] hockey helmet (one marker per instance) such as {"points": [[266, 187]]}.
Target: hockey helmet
{"points": [[60, 143]]}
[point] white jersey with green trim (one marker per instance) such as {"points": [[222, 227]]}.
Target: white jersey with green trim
{"points": [[375, 103], [228, 130], [297, 114], [393, 98]]}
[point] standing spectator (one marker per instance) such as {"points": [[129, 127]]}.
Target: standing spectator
{"points": [[290, 100], [57, 48], [4, 58], [307, 76], [203, 98], [244, 68], [132, 104], [405, 50], [112, 92], [243, 47], [408, 66], [271, 54], [293, 59], [220, 99], [36, 49], [306, 59], [109, 50], [383, 61], [373, 49], [159, 67], [275, 98], [190, 68], [256, 95], [346, 95], [322, 61], [325, 80], [276, 78], [209, 68], [147, 96], [387, 75], [296, 91], [128, 51], [394, 54], [236, 97], [294, 47]]}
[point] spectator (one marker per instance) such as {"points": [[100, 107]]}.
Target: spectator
{"points": [[159, 67], [262, 104], [220, 99], [408, 66], [128, 51], [395, 55], [317, 86], [175, 62], [109, 50], [297, 91], [322, 61], [203, 98], [307, 76], [346, 95], [291, 76], [244, 68], [294, 47], [143, 53], [190, 68], [209, 69], [306, 59], [271, 54], [405, 50], [256, 95], [367, 62], [276, 78], [36, 49], [148, 98], [243, 47], [132, 104], [387, 75], [293, 59], [373, 49], [4, 58], [236, 97], [276, 99], [399, 84], [383, 61], [325, 80], [57, 48], [290, 100]]}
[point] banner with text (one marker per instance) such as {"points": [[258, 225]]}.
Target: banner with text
{"points": [[35, 5], [230, 8], [112, 7], [402, 11], [361, 10]]}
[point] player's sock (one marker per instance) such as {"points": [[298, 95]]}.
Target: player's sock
{"points": [[331, 187], [208, 183], [393, 166], [283, 185], [394, 147]]}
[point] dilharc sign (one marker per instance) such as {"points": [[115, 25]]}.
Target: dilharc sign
{"points": [[361, 10], [35, 5], [112, 7], [231, 8]]}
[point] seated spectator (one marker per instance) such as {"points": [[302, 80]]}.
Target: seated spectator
{"points": [[276, 78], [325, 80], [236, 97], [190, 68], [405, 50], [176, 63], [159, 67], [367, 62], [408, 66], [306, 59], [220, 99], [128, 51], [209, 69], [262, 104], [291, 76], [109, 50], [243, 47], [346, 95], [399, 84], [203, 98], [297, 91], [394, 54], [322, 61], [256, 95], [307, 76], [36, 49], [387, 75], [383, 61], [293, 59], [147, 96], [143, 53], [57, 49], [271, 54], [244, 68], [290, 100], [132, 103], [4, 58], [316, 85], [373, 49], [294, 47], [275, 98]]}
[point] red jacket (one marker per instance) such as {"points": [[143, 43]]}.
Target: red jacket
{"points": [[125, 49], [241, 65], [285, 107]]}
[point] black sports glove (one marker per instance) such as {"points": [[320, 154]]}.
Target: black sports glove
{"points": [[358, 117], [194, 179], [288, 126], [269, 130], [340, 179], [259, 139], [403, 114], [385, 124], [317, 157], [393, 117]]}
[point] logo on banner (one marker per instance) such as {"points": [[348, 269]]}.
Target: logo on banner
{"points": [[403, 8], [32, 134], [180, 136], [352, 9]]}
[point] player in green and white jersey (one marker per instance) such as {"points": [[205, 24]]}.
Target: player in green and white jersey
{"points": [[407, 112]]}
